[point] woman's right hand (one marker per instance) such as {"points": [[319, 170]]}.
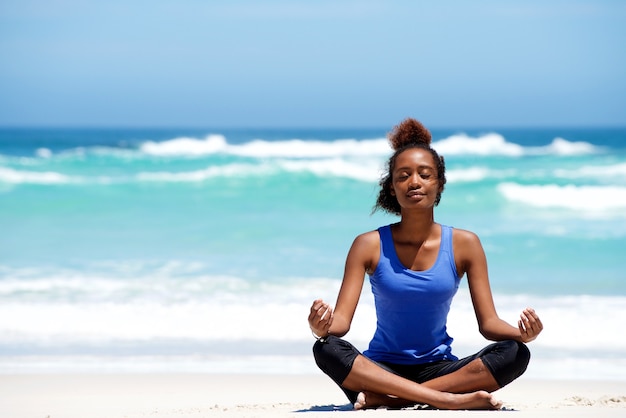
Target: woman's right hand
{"points": [[320, 318]]}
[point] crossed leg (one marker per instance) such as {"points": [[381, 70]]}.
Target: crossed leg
{"points": [[466, 388]]}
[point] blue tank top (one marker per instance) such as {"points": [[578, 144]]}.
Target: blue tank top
{"points": [[412, 306]]}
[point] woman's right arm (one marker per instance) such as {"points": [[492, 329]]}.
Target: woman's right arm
{"points": [[362, 257]]}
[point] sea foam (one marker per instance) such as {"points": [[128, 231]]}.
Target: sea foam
{"points": [[597, 172], [574, 197], [560, 146], [489, 144], [186, 146], [492, 144], [294, 148], [147, 315], [9, 175]]}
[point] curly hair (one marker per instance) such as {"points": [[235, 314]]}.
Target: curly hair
{"points": [[406, 135]]}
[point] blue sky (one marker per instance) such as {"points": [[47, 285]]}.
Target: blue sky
{"points": [[192, 63]]}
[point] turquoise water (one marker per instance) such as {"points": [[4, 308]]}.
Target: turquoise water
{"points": [[178, 243]]}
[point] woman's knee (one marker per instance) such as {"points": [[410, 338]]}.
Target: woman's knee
{"points": [[334, 357], [523, 354], [507, 361], [518, 355]]}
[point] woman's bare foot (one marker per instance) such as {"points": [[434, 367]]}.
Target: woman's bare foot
{"points": [[474, 400], [360, 402], [370, 400]]}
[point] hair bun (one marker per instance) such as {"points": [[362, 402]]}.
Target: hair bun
{"points": [[409, 132]]}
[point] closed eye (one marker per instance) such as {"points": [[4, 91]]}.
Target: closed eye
{"points": [[427, 174]]}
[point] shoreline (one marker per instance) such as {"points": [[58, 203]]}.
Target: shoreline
{"points": [[174, 395], [573, 365]]}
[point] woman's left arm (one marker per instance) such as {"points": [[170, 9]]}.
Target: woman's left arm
{"points": [[470, 259]]}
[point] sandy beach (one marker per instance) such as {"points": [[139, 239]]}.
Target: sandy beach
{"points": [[238, 395]]}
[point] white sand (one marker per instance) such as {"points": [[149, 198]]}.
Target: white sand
{"points": [[208, 395]]}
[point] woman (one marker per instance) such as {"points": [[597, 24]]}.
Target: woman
{"points": [[415, 267]]}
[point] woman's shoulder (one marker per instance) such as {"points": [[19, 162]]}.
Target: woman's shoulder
{"points": [[368, 238], [367, 244], [366, 250], [463, 236]]}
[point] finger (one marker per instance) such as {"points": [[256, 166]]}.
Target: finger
{"points": [[328, 318], [317, 311], [533, 321], [323, 316], [316, 304], [325, 323], [537, 320], [321, 312], [314, 308], [529, 320], [526, 334], [524, 321]]}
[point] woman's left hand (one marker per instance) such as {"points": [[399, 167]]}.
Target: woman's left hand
{"points": [[529, 325]]}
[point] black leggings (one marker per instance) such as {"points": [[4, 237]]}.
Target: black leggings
{"points": [[506, 360]]}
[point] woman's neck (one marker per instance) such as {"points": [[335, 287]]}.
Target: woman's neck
{"points": [[415, 226]]}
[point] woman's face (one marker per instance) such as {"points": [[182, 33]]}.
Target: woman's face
{"points": [[415, 183]]}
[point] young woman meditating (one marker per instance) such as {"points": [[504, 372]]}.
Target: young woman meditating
{"points": [[414, 268]]}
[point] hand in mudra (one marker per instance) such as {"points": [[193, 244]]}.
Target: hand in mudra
{"points": [[320, 318], [529, 325]]}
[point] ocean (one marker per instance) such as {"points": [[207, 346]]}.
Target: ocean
{"points": [[201, 250]]}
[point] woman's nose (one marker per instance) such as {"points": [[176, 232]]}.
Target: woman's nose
{"points": [[414, 182]]}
